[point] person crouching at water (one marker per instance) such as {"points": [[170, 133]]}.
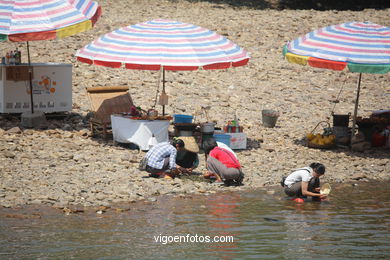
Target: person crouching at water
{"points": [[162, 159], [222, 165], [305, 182]]}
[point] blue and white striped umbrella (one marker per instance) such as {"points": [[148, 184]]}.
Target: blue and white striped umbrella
{"points": [[362, 47], [22, 20]]}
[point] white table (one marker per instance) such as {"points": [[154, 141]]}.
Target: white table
{"points": [[139, 132]]}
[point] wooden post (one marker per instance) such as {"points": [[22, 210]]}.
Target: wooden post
{"points": [[356, 106], [163, 91], [30, 78]]}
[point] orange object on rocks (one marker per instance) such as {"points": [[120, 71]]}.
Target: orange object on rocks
{"points": [[378, 139], [168, 177]]}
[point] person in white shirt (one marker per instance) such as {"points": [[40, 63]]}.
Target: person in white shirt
{"points": [[305, 182]]}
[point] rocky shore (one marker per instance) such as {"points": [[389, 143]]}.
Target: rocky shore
{"points": [[61, 164]]}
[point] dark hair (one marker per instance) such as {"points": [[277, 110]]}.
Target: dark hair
{"points": [[318, 168], [209, 144], [178, 142]]}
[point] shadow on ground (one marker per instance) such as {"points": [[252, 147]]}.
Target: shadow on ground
{"points": [[253, 143], [373, 152], [320, 5], [64, 121]]}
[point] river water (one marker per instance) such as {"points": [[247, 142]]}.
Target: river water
{"points": [[353, 224]]}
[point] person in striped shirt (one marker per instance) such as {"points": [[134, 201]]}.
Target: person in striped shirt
{"points": [[162, 159]]}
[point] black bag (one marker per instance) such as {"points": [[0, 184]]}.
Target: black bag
{"points": [[241, 178], [282, 181], [236, 182], [143, 163]]}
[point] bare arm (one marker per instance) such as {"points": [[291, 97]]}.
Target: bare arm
{"points": [[305, 192]]}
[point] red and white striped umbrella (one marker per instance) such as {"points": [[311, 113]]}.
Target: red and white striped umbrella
{"points": [[166, 44], [163, 44]]}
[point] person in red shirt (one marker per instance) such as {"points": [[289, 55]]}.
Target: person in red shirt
{"points": [[222, 164]]}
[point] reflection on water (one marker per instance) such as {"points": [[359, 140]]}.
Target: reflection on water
{"points": [[354, 223]]}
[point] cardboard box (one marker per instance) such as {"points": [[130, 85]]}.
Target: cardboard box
{"points": [[237, 140], [17, 73]]}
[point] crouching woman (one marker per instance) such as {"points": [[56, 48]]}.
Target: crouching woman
{"points": [[305, 182], [222, 165]]}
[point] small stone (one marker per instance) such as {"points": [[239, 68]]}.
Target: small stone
{"points": [[8, 154], [358, 176], [14, 130], [67, 127]]}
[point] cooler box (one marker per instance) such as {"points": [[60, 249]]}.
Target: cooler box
{"points": [[182, 118], [237, 140], [52, 88], [223, 138]]}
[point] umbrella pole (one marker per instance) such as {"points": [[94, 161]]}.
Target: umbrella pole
{"points": [[163, 91], [356, 105], [30, 78]]}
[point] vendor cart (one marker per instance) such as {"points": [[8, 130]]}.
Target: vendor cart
{"points": [[51, 84]]}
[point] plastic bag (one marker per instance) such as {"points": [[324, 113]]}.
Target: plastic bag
{"points": [[282, 181], [143, 163]]}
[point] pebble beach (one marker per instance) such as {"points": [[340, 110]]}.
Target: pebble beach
{"points": [[62, 164]]}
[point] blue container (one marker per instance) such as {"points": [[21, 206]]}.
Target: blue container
{"points": [[182, 118], [223, 138]]}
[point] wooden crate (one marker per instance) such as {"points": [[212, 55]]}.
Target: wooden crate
{"points": [[106, 101]]}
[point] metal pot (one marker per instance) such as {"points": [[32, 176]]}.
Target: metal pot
{"points": [[152, 112], [207, 127], [185, 133], [341, 120]]}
